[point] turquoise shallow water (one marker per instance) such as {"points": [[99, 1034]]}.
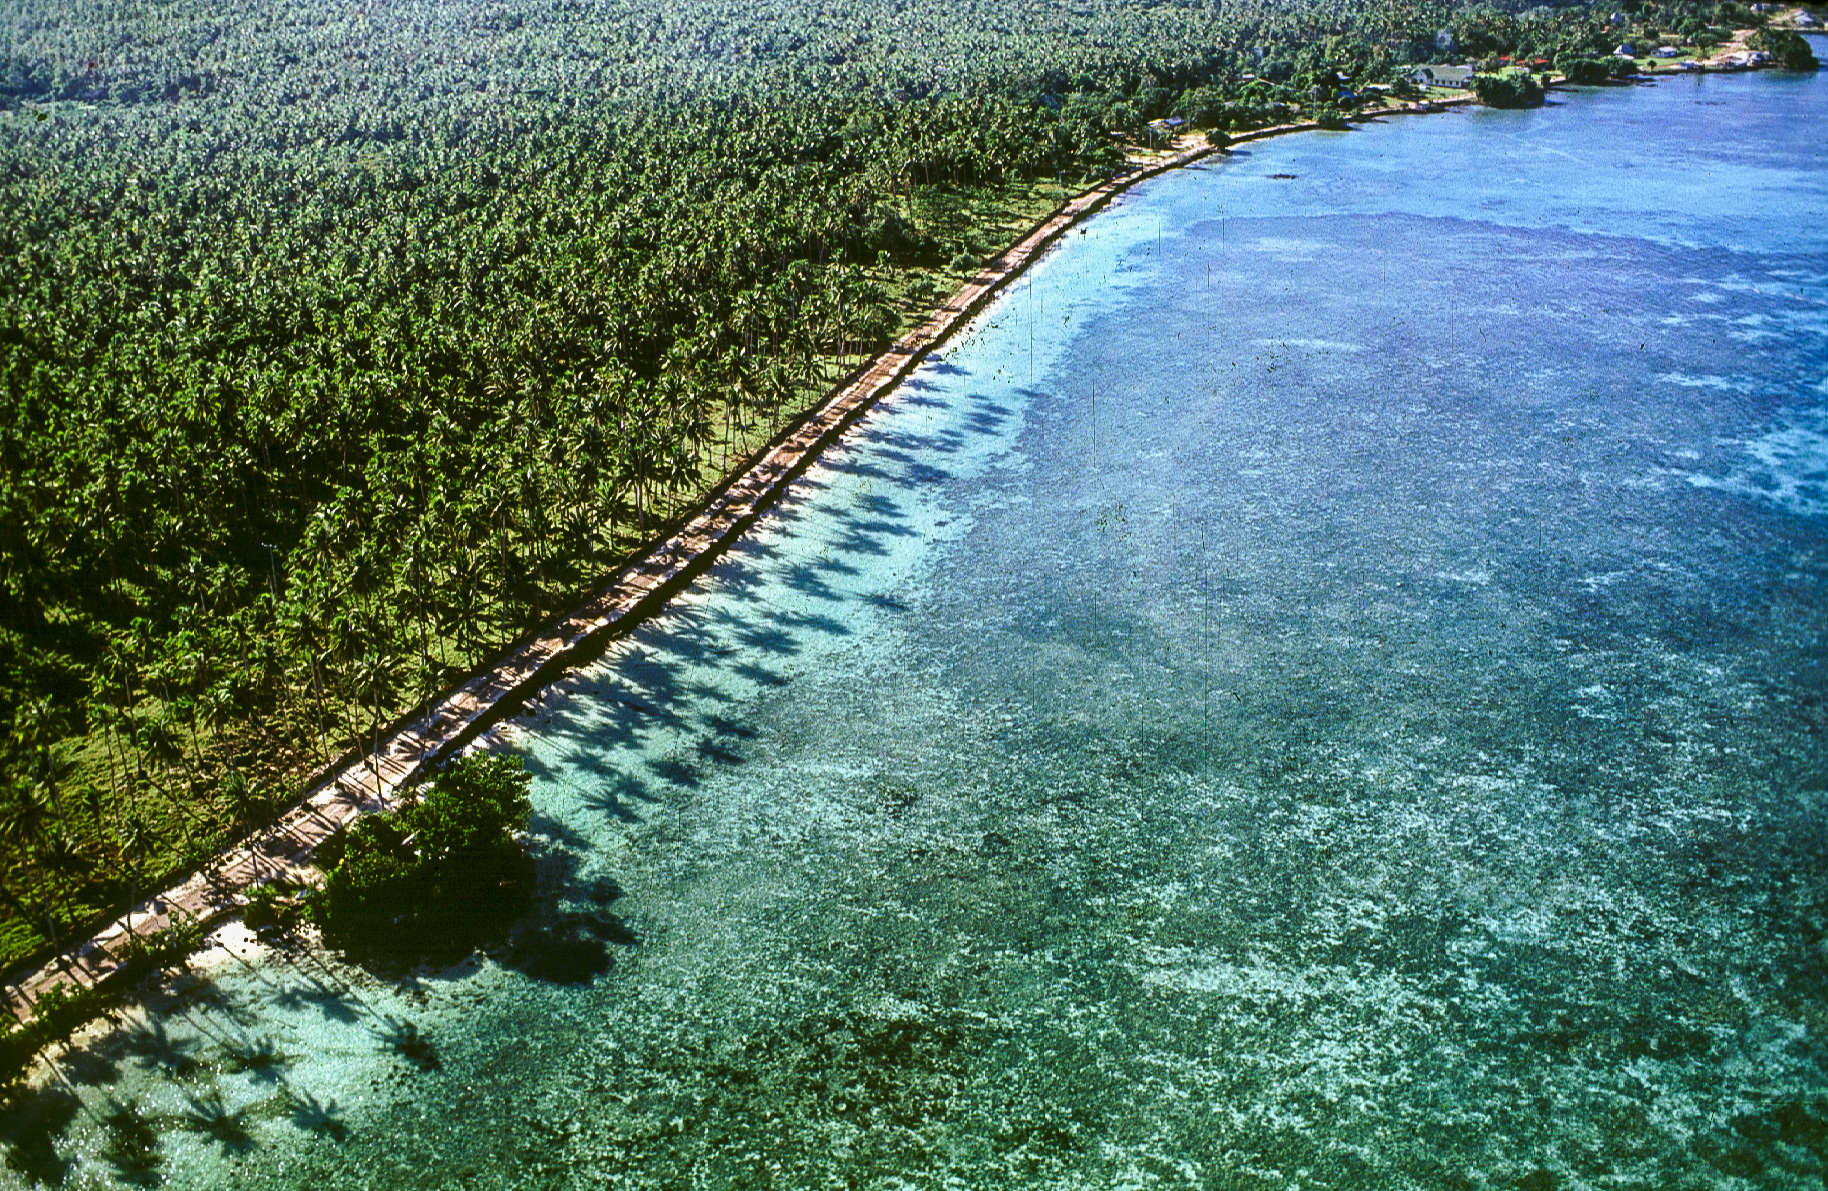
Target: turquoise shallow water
{"points": [[1323, 687]]}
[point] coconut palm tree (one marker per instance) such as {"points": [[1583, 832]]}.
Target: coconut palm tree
{"points": [[25, 823], [243, 803], [137, 841], [375, 676]]}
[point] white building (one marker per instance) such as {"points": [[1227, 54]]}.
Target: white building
{"points": [[1442, 76]]}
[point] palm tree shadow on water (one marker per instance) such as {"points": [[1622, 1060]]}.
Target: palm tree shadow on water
{"points": [[131, 1146], [35, 1120], [208, 1114], [323, 1117], [406, 1039], [619, 798], [93, 1065], [257, 1057], [153, 1044], [569, 935], [32, 1122], [332, 1003]]}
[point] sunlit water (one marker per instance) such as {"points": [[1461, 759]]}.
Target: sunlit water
{"points": [[1322, 687]]}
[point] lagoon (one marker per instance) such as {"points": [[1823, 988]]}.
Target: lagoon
{"points": [[1321, 686]]}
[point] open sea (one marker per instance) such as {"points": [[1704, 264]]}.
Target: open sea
{"points": [[1325, 685]]}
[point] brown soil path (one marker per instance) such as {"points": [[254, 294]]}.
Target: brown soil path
{"points": [[1735, 44]]}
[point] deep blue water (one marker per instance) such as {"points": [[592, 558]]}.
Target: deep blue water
{"points": [[1322, 687]]}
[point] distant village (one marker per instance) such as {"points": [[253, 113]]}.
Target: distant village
{"points": [[1641, 50]]}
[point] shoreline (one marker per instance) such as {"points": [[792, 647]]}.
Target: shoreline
{"points": [[375, 780], [362, 780], [358, 783]]}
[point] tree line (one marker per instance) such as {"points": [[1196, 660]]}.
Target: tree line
{"points": [[338, 348]]}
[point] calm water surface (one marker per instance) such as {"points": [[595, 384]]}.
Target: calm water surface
{"points": [[1323, 687]]}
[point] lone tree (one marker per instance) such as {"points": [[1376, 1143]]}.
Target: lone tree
{"points": [[1507, 90], [1791, 50], [434, 876], [1585, 72]]}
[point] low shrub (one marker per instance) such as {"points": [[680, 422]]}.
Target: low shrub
{"points": [[434, 876], [1585, 72], [143, 953], [1507, 90], [277, 906]]}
